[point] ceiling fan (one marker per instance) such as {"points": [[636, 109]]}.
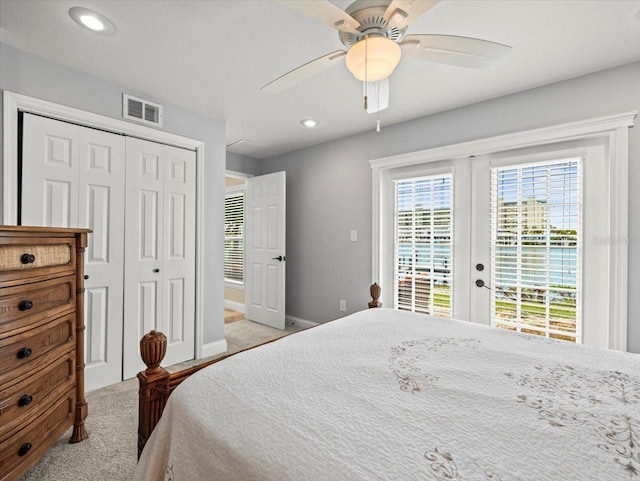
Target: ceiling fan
{"points": [[373, 33]]}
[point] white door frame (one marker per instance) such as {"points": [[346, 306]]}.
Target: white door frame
{"points": [[614, 128], [13, 103]]}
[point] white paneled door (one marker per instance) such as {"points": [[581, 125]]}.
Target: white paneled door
{"points": [[265, 249], [159, 250], [73, 176], [138, 197]]}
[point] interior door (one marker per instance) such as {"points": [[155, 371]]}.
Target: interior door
{"points": [[265, 252], [160, 251], [73, 176]]}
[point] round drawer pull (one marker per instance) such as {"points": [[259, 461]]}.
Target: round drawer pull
{"points": [[27, 258], [24, 449], [25, 305], [24, 353], [24, 400]]}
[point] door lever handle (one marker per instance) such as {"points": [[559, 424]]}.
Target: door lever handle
{"points": [[279, 258]]}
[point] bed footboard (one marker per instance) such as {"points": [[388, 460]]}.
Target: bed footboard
{"points": [[157, 384]]}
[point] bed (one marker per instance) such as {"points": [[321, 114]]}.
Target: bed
{"points": [[390, 395]]}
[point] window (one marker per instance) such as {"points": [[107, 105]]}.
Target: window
{"points": [[234, 236], [555, 262], [423, 242], [535, 248]]}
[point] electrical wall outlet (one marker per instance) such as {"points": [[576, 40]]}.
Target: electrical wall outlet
{"points": [[343, 305], [354, 236]]}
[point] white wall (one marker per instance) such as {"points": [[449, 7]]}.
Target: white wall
{"points": [[329, 185], [27, 74]]}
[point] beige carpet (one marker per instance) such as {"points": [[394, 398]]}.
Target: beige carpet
{"points": [[109, 454]]}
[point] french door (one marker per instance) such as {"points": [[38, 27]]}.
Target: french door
{"points": [[508, 239]]}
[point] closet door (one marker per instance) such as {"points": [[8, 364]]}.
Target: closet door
{"points": [[101, 208], [50, 169], [179, 260], [73, 176], [159, 250]]}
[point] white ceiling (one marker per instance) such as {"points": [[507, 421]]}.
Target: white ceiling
{"points": [[212, 57]]}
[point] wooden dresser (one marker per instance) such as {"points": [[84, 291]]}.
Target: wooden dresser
{"points": [[41, 342]]}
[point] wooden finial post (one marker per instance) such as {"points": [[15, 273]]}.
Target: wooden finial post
{"points": [[153, 347], [375, 295], [154, 385]]}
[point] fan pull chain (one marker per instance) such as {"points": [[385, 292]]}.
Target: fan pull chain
{"points": [[366, 62], [378, 124]]}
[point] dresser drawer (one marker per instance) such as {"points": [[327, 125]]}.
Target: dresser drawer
{"points": [[21, 451], [23, 306], [22, 401], [19, 354], [30, 258]]}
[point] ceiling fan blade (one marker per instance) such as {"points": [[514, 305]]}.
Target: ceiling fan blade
{"points": [[400, 13], [454, 50], [324, 11], [303, 72]]}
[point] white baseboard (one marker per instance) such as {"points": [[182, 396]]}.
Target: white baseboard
{"points": [[300, 322], [213, 348], [234, 306]]}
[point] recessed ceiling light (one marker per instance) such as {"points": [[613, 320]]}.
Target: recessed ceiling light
{"points": [[309, 123], [92, 20]]}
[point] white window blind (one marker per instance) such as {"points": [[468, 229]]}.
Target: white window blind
{"points": [[234, 237], [536, 212], [423, 245]]}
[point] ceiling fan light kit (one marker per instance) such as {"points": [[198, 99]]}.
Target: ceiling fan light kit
{"points": [[373, 58], [373, 34]]}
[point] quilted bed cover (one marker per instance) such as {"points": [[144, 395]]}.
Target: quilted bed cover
{"points": [[390, 395]]}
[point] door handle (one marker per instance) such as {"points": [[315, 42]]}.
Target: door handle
{"points": [[156, 270], [279, 258]]}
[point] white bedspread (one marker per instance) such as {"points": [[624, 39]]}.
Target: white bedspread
{"points": [[389, 395]]}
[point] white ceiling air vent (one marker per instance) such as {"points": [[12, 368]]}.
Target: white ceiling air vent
{"points": [[141, 110]]}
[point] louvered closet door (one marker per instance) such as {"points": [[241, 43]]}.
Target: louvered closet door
{"points": [[159, 250], [73, 176]]}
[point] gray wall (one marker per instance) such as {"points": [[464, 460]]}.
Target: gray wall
{"points": [[27, 74], [244, 164], [329, 185]]}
